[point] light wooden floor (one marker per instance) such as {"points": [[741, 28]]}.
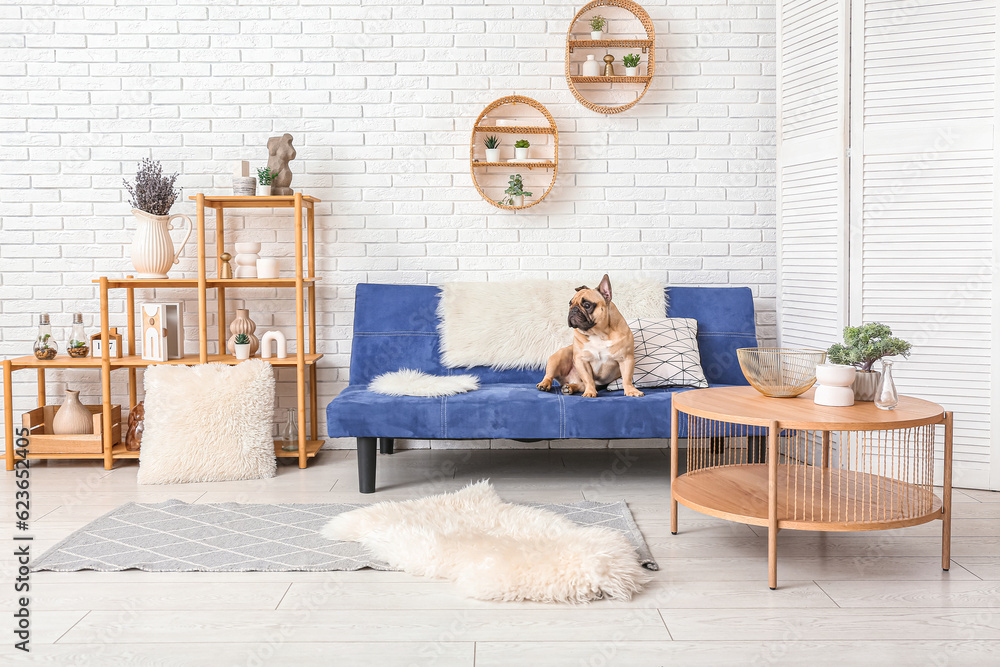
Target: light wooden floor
{"points": [[856, 598]]}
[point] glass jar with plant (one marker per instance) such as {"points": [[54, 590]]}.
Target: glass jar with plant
{"points": [[521, 149], [597, 25], [631, 64], [78, 344], [264, 177], [45, 347], [862, 347], [515, 192], [492, 144]]}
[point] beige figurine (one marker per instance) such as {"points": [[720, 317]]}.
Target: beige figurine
{"points": [[225, 270], [280, 153]]}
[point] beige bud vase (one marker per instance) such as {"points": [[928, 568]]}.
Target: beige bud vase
{"points": [[242, 324], [72, 418], [152, 248]]}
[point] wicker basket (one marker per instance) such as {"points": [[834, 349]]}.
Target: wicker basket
{"points": [[780, 372]]}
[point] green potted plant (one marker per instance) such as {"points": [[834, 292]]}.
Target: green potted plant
{"points": [[242, 345], [597, 25], [862, 347], [515, 192], [521, 149], [265, 177], [631, 64], [492, 144]]}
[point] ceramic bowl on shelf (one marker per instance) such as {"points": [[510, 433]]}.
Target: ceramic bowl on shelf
{"points": [[780, 372]]}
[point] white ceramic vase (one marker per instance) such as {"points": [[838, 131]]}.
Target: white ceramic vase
{"points": [[596, 34], [72, 418], [492, 154], [263, 190], [267, 268], [152, 248], [518, 200], [520, 153], [834, 387], [631, 71], [246, 259], [590, 67]]}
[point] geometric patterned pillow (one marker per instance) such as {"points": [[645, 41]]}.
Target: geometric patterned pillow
{"points": [[666, 354]]}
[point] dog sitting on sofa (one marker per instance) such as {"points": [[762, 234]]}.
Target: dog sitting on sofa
{"points": [[603, 348]]}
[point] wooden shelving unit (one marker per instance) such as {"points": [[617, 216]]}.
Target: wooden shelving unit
{"points": [[480, 164], [304, 360], [647, 44]]}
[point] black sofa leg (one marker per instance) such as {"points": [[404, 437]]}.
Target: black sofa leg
{"points": [[385, 445], [366, 464]]}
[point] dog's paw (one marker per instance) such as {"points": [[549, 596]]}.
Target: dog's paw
{"points": [[569, 389], [633, 392], [544, 385], [590, 393]]}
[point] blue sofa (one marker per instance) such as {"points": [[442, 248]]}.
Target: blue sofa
{"points": [[395, 326]]}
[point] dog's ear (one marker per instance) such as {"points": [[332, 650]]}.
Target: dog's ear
{"points": [[605, 288], [581, 287]]}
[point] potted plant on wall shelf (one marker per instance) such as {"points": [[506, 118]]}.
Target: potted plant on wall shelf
{"points": [[862, 347], [492, 144], [515, 192], [631, 64], [597, 25], [521, 149], [265, 177], [242, 346]]}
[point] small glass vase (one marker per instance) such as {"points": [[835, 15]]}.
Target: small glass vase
{"points": [[886, 397], [290, 432], [45, 347], [78, 345]]}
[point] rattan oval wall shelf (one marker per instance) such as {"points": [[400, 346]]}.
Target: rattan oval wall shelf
{"points": [[482, 129], [647, 44]]}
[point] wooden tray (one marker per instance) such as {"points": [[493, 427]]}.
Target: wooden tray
{"points": [[41, 441]]}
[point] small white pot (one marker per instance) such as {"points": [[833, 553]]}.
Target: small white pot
{"points": [[631, 71], [263, 190], [834, 387], [492, 154], [242, 351], [518, 200], [596, 34], [267, 268], [520, 153]]}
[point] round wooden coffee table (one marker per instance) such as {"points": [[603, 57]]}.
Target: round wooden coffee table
{"points": [[789, 463]]}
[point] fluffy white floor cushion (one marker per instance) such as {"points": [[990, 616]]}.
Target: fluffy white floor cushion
{"points": [[409, 382], [495, 550], [208, 423]]}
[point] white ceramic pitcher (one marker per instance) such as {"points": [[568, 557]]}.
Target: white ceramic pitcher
{"points": [[152, 248]]}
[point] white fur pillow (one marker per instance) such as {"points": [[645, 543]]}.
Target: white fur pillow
{"points": [[409, 382], [208, 423]]}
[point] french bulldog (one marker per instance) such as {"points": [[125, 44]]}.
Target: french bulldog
{"points": [[603, 349]]}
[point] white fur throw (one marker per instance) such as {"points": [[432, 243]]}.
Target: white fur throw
{"points": [[495, 550], [409, 382], [208, 423], [520, 324]]}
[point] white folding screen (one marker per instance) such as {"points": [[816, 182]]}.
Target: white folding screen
{"points": [[923, 202], [812, 80], [904, 231]]}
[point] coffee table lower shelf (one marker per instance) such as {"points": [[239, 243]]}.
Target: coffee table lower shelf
{"points": [[822, 499]]}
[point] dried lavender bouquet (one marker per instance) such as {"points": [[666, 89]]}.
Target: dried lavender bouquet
{"points": [[152, 192]]}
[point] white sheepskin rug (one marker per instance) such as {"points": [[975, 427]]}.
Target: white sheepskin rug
{"points": [[409, 382], [495, 550], [520, 324], [208, 423]]}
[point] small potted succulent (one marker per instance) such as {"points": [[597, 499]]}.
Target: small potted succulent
{"points": [[45, 348], [492, 144], [264, 176], [515, 192], [77, 349], [521, 149], [597, 25], [242, 345], [631, 64], [862, 347]]}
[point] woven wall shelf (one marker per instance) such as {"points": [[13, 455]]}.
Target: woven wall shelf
{"points": [[575, 43], [478, 163]]}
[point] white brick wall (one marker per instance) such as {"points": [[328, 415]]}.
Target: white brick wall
{"points": [[380, 97]]}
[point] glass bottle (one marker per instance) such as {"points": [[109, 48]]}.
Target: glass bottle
{"points": [[78, 345], [886, 397], [290, 432], [45, 346]]}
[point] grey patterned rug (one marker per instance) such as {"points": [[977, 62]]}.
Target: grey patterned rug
{"points": [[174, 536]]}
